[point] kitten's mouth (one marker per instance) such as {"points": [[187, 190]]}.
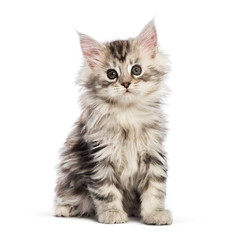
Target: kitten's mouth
{"points": [[127, 92]]}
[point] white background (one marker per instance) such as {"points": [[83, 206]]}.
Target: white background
{"points": [[39, 59]]}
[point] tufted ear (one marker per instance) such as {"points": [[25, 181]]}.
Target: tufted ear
{"points": [[147, 39], [92, 50]]}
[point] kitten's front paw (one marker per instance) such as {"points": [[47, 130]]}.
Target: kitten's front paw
{"points": [[113, 216], [162, 217]]}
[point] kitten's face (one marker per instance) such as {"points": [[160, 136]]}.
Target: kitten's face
{"points": [[123, 71]]}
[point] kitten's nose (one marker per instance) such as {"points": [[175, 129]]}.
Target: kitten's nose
{"points": [[126, 84]]}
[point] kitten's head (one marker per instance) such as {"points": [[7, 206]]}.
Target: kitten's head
{"points": [[123, 71]]}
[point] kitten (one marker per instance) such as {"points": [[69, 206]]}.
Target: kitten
{"points": [[113, 163]]}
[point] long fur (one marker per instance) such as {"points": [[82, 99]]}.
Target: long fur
{"points": [[113, 163]]}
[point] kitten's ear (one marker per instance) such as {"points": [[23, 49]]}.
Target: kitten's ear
{"points": [[147, 39], [92, 50]]}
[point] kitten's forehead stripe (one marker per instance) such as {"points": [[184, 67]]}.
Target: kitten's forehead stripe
{"points": [[119, 49]]}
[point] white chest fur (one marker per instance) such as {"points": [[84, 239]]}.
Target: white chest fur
{"points": [[131, 140], [127, 135]]}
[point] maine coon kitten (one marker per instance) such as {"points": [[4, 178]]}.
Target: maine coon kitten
{"points": [[113, 163]]}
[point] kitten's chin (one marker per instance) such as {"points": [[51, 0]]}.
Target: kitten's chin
{"points": [[121, 98], [127, 93], [127, 97]]}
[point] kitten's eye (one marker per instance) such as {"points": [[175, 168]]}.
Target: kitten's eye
{"points": [[112, 74], [136, 70]]}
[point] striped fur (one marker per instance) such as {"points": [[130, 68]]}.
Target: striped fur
{"points": [[113, 163]]}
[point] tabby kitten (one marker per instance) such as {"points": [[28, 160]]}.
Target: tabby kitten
{"points": [[113, 163]]}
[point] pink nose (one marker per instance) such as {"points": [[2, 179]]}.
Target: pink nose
{"points": [[126, 84]]}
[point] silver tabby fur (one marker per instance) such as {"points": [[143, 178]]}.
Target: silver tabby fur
{"points": [[113, 163]]}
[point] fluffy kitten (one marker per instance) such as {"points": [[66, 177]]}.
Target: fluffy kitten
{"points": [[113, 163]]}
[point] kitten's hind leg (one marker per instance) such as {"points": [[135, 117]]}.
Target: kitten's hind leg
{"points": [[80, 205], [66, 211]]}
